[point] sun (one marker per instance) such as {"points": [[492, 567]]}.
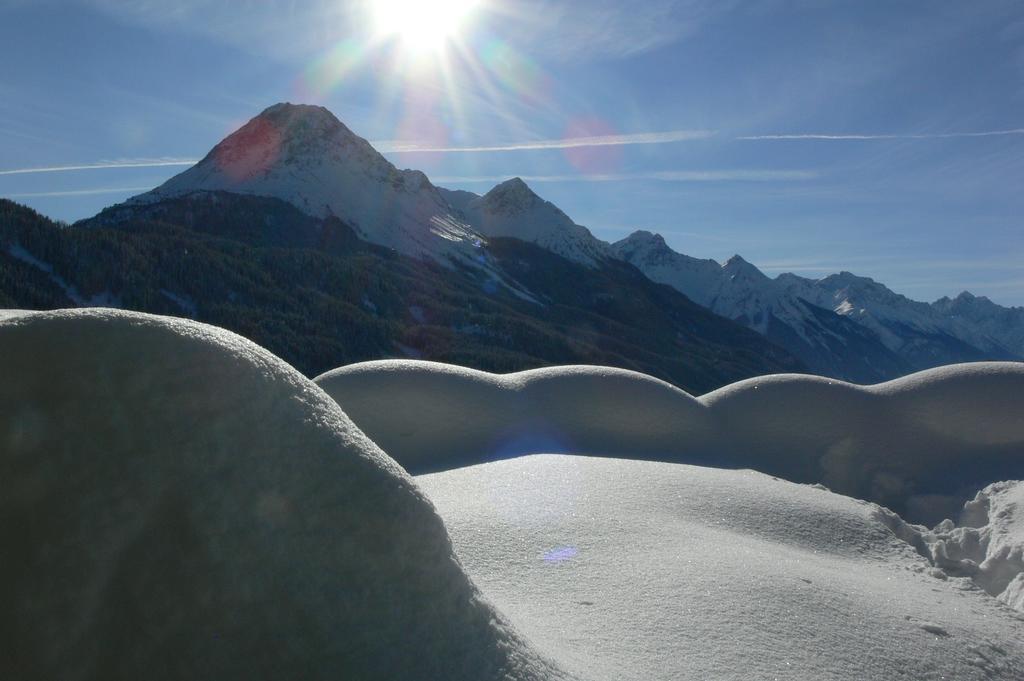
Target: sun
{"points": [[422, 25]]}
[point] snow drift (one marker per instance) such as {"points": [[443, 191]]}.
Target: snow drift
{"points": [[921, 444], [988, 546], [178, 503], [635, 570]]}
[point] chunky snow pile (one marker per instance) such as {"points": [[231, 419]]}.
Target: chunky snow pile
{"points": [[988, 546], [921, 444], [641, 570], [177, 503], [430, 416]]}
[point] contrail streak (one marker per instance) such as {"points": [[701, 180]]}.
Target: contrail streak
{"points": [[922, 136], [395, 147], [76, 192], [104, 165]]}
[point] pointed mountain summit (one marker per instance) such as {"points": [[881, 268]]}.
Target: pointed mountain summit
{"points": [[513, 209], [641, 242], [305, 156], [698, 279], [511, 197], [736, 267]]}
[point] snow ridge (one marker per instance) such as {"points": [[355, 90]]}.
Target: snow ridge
{"points": [[913, 444]]}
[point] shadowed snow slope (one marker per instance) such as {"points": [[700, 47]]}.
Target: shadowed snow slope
{"points": [[431, 416], [640, 570], [177, 503], [921, 444]]}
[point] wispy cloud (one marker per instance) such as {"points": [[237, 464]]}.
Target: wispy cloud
{"points": [[266, 28], [398, 147], [920, 136], [105, 165], [919, 263], [78, 192], [659, 176], [574, 30]]}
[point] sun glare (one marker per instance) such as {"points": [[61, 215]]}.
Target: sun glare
{"points": [[422, 25]]}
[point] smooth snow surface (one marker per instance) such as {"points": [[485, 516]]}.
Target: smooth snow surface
{"points": [[922, 445], [639, 570], [178, 503]]}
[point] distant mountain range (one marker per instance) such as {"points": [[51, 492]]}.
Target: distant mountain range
{"points": [[254, 239], [295, 232], [841, 325]]}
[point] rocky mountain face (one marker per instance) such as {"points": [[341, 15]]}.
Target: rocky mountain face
{"points": [[842, 325]]}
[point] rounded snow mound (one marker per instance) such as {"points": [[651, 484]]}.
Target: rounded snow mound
{"points": [[431, 416], [921, 445], [979, 402], [177, 503]]}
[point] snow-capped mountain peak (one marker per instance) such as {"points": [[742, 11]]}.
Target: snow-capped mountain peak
{"points": [[513, 209], [643, 242], [510, 197], [696, 278], [304, 155], [737, 267]]}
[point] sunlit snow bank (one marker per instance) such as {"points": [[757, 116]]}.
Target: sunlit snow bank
{"points": [[922, 445], [989, 544], [177, 503], [640, 570]]}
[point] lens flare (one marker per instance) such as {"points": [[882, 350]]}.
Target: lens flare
{"points": [[253, 149], [560, 554], [593, 159], [327, 72]]}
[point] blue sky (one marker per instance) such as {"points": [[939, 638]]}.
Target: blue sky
{"points": [[884, 138]]}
